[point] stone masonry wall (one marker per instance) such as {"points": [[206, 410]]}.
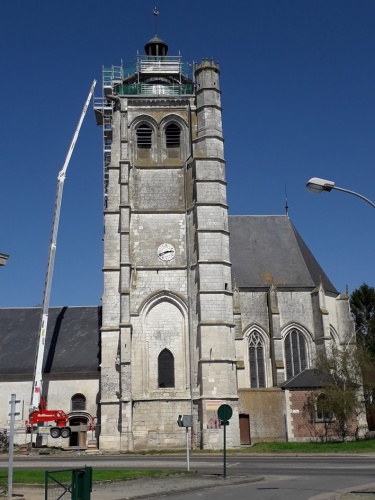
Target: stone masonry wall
{"points": [[266, 410]]}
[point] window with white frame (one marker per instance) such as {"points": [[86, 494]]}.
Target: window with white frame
{"points": [[257, 360]]}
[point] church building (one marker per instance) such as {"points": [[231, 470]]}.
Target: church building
{"points": [[199, 308]]}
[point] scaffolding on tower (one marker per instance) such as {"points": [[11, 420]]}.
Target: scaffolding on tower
{"points": [[135, 79]]}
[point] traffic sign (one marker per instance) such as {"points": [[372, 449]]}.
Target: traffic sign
{"points": [[185, 421], [224, 412]]}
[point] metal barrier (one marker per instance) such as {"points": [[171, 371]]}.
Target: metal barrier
{"points": [[72, 484]]}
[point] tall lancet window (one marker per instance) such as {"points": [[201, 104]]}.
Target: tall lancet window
{"points": [[295, 353], [165, 369], [256, 360]]}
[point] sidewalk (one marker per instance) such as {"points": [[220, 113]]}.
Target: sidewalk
{"points": [[144, 488], [166, 486]]}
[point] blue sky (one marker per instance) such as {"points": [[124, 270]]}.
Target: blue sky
{"points": [[298, 95]]}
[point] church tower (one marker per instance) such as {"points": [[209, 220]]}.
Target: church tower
{"points": [[167, 337]]}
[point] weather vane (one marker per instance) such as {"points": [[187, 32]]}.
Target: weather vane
{"points": [[156, 13]]}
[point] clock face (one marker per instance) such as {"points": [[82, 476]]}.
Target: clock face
{"points": [[166, 252]]}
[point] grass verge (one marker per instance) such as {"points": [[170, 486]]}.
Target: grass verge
{"points": [[367, 446], [363, 446], [37, 476]]}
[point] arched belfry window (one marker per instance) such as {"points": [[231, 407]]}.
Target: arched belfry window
{"points": [[295, 353], [144, 136], [257, 360], [172, 136], [165, 369], [78, 402]]}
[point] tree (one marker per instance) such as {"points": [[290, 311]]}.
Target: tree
{"points": [[362, 303], [367, 365], [341, 399]]}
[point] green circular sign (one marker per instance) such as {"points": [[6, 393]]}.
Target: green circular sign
{"points": [[224, 412]]}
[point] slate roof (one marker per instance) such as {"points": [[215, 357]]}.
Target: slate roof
{"points": [[72, 340], [307, 379], [268, 247]]}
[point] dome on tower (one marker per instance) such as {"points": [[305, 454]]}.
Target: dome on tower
{"points": [[156, 47]]}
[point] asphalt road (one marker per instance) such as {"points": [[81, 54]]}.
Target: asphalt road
{"points": [[284, 476], [322, 465]]}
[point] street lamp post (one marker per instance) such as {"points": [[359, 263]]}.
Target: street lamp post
{"points": [[317, 185]]}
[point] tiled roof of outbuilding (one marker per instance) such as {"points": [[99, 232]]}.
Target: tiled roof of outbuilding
{"points": [[309, 378], [268, 248], [72, 340]]}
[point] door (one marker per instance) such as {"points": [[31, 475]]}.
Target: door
{"points": [[78, 438], [244, 429]]}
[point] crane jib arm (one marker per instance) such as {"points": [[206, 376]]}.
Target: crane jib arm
{"points": [[38, 367]]}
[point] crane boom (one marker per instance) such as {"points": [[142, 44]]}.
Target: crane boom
{"points": [[38, 367]]}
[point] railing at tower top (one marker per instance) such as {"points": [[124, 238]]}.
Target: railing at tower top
{"points": [[151, 65], [166, 65], [155, 89]]}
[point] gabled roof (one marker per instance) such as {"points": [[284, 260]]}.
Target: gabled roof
{"points": [[268, 248], [72, 340], [308, 378]]}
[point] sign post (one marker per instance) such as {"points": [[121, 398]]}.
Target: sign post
{"points": [[12, 415], [186, 421], [225, 413]]}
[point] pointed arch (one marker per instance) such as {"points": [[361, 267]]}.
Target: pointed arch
{"points": [[257, 360], [257, 357], [334, 336], [296, 350], [143, 133], [160, 296], [163, 345], [174, 137]]}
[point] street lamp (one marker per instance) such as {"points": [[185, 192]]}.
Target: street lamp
{"points": [[3, 259], [316, 185]]}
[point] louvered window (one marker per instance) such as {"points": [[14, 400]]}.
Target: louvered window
{"points": [[166, 369], [295, 353], [172, 135], [256, 360], [78, 402], [144, 136]]}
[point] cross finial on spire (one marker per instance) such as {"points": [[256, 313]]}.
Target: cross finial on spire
{"points": [[286, 203], [156, 13]]}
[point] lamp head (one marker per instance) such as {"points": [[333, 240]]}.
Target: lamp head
{"points": [[317, 185], [3, 259]]}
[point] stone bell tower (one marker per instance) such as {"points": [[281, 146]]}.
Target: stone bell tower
{"points": [[167, 339]]}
